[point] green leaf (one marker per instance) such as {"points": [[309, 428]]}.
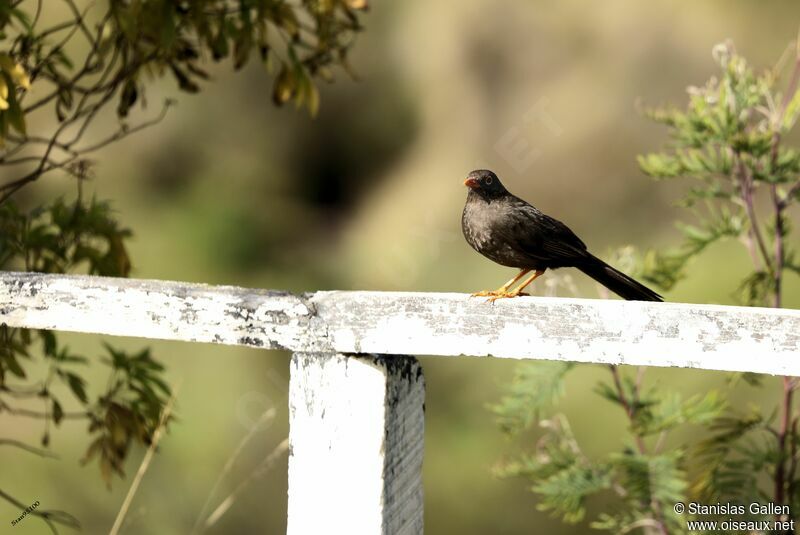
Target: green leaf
{"points": [[12, 365], [242, 45], [565, 492], [185, 83], [669, 411], [535, 388], [77, 385], [49, 342], [312, 98], [58, 412], [285, 86], [660, 165], [752, 379], [755, 289], [219, 44], [127, 98], [93, 449], [792, 111], [726, 470], [648, 478], [14, 114]]}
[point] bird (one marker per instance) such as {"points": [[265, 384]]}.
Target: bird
{"points": [[513, 233]]}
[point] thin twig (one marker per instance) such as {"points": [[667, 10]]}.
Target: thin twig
{"points": [[630, 410], [61, 44], [787, 410], [26, 447], [262, 469], [148, 456], [50, 516], [16, 411], [266, 417], [786, 417], [790, 195], [8, 189], [22, 391], [793, 461], [79, 21], [780, 231], [746, 188]]}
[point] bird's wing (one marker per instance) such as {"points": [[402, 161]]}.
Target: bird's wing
{"points": [[543, 237]]}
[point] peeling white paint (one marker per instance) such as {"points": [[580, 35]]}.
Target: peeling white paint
{"points": [[153, 309], [583, 330], [356, 441], [356, 433], [712, 337]]}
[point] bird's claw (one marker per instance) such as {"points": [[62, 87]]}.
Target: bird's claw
{"points": [[504, 295], [486, 293], [494, 295]]}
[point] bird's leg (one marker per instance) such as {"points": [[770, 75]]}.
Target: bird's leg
{"points": [[504, 288], [536, 274], [518, 290]]}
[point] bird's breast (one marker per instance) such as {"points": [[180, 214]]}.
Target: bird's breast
{"points": [[486, 229]]}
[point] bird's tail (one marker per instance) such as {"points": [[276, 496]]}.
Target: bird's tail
{"points": [[617, 281]]}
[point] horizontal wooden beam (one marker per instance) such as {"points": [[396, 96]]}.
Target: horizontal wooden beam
{"points": [[584, 330]]}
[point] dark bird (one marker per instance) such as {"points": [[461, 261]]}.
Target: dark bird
{"points": [[509, 231]]}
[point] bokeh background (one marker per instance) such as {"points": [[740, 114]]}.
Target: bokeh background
{"points": [[231, 190]]}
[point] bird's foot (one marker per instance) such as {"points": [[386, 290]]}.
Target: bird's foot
{"points": [[505, 295], [487, 293]]}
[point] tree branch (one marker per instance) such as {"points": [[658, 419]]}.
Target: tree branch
{"points": [[9, 188], [48, 515], [16, 411], [148, 456], [640, 445], [26, 447], [746, 189]]}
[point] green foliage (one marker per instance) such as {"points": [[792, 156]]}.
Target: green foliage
{"points": [[565, 492], [661, 412], [650, 479], [729, 142], [142, 39], [99, 56], [644, 483], [562, 476], [651, 483], [58, 238], [129, 410], [534, 389], [731, 459], [303, 39], [13, 80], [74, 70]]}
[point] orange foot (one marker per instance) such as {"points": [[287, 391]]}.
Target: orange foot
{"points": [[487, 293], [500, 293], [505, 295]]}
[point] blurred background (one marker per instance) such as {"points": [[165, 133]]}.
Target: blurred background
{"points": [[231, 190]]}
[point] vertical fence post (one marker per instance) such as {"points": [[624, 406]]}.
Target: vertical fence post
{"points": [[356, 429]]}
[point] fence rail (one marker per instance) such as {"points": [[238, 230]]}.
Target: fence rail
{"points": [[356, 414], [710, 337]]}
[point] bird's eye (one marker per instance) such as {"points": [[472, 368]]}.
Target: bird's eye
{"points": [[487, 180]]}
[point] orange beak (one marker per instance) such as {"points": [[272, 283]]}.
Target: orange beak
{"points": [[471, 183]]}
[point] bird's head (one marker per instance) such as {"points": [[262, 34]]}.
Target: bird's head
{"points": [[485, 184]]}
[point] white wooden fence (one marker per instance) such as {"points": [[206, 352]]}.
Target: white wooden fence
{"points": [[356, 407]]}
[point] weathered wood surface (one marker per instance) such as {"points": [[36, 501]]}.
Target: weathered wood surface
{"points": [[584, 330], [356, 445]]}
